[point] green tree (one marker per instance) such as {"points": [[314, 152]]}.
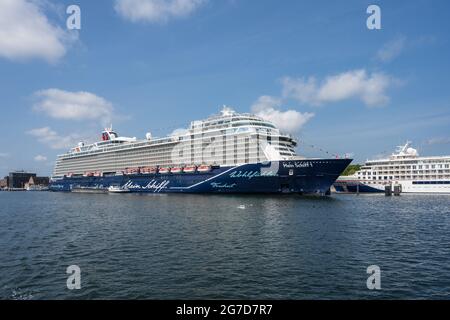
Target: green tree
{"points": [[351, 169]]}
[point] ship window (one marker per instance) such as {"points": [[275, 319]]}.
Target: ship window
{"points": [[431, 182]]}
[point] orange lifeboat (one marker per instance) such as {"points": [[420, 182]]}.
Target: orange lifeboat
{"points": [[149, 170], [98, 174], [190, 169], [176, 170], [132, 171], [204, 168], [146, 170], [143, 170]]}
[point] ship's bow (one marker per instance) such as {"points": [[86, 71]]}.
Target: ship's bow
{"points": [[310, 176]]}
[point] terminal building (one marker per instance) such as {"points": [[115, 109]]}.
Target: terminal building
{"points": [[23, 180], [18, 179]]}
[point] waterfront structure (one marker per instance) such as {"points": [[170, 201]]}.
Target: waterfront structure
{"points": [[226, 153], [18, 179], [4, 183], [404, 168], [37, 184]]}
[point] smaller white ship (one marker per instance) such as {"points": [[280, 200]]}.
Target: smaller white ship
{"points": [[404, 168], [117, 189]]}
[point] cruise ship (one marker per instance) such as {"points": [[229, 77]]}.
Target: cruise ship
{"points": [[227, 153], [404, 168]]}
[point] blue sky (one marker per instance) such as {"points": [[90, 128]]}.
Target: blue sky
{"points": [[154, 65]]}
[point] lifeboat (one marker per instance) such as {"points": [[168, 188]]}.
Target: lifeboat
{"points": [[143, 170], [148, 170], [190, 169], [88, 174], [164, 170], [176, 170], [132, 171], [98, 174], [204, 168], [69, 175]]}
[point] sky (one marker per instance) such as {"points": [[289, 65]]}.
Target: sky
{"points": [[312, 67]]}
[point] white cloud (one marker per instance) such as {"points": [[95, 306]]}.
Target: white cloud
{"points": [[369, 88], [179, 132], [438, 140], [40, 158], [156, 10], [267, 107], [60, 104], [265, 103], [392, 49], [25, 32], [52, 139]]}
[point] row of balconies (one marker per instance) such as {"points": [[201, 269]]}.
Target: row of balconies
{"points": [[406, 172], [418, 177], [165, 157]]}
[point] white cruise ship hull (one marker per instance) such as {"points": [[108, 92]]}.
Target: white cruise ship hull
{"points": [[404, 168], [425, 187]]}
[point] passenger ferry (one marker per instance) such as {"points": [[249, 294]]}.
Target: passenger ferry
{"points": [[404, 168], [226, 153]]}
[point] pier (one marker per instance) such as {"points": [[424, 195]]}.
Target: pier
{"points": [[395, 189]]}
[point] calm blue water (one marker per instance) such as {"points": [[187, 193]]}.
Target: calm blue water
{"points": [[199, 246]]}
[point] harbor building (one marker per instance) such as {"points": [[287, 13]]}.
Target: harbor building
{"points": [[18, 179], [37, 183], [4, 183]]}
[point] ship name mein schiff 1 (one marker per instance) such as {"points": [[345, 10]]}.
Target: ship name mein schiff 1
{"points": [[226, 153]]}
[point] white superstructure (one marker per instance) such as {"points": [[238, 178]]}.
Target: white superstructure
{"points": [[228, 139], [405, 167]]}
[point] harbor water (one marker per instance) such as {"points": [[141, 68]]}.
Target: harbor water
{"points": [[172, 246]]}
